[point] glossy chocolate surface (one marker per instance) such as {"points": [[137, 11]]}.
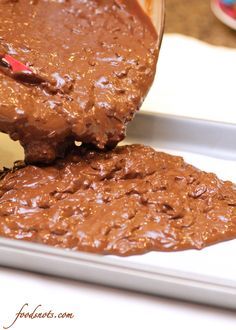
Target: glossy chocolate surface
{"points": [[127, 201], [91, 63]]}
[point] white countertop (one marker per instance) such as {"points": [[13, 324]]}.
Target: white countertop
{"points": [[193, 79], [100, 308]]}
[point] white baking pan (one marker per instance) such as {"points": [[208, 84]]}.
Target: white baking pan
{"points": [[207, 276]]}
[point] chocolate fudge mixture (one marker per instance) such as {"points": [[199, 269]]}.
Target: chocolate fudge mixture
{"points": [[88, 67], [127, 201], [74, 70]]}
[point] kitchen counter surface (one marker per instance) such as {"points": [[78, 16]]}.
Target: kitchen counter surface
{"points": [[194, 18]]}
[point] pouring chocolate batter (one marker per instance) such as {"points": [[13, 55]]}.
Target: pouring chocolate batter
{"points": [[86, 67], [127, 201], [80, 72]]}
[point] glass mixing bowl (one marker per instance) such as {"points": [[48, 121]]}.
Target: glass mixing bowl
{"points": [[156, 10]]}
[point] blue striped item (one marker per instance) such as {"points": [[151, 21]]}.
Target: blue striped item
{"points": [[228, 2]]}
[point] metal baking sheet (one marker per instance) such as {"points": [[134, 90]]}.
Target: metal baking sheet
{"points": [[207, 276]]}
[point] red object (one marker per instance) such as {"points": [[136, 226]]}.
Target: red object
{"points": [[16, 66], [229, 10]]}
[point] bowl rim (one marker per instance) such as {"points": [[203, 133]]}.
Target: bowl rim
{"points": [[162, 23]]}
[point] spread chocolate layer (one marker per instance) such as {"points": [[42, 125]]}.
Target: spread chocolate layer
{"points": [[85, 68], [127, 201]]}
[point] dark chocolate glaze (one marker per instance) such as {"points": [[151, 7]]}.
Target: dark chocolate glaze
{"points": [[92, 64], [127, 201]]}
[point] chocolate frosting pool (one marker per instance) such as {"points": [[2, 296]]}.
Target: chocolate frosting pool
{"points": [[91, 63], [127, 201]]}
